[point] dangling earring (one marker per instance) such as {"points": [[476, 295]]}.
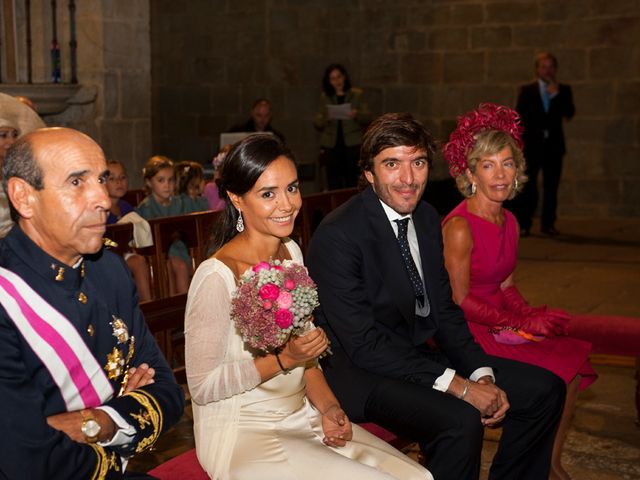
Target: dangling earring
{"points": [[474, 188], [240, 222], [515, 184]]}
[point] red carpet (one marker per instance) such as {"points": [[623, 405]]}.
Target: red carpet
{"points": [[182, 467]]}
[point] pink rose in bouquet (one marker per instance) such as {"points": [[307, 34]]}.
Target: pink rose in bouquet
{"points": [[269, 292], [285, 300], [274, 301], [284, 319], [261, 266]]}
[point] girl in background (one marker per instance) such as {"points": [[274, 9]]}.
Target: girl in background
{"points": [[117, 186], [159, 182], [211, 191], [190, 186]]}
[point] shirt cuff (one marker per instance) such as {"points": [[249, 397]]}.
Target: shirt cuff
{"points": [[124, 431], [482, 372], [443, 381]]}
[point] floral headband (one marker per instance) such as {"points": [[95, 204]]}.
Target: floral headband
{"points": [[218, 159], [488, 116]]}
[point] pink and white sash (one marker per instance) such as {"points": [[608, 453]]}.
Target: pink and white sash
{"points": [[54, 339]]}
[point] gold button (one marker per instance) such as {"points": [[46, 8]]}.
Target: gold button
{"points": [[60, 275], [90, 330], [82, 298]]}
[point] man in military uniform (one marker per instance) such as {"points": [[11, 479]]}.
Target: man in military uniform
{"points": [[83, 385]]}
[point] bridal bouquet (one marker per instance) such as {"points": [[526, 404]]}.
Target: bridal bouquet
{"points": [[274, 301]]}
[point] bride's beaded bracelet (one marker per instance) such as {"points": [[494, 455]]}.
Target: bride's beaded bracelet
{"points": [[284, 370]]}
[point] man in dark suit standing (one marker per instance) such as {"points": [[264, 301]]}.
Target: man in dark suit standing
{"points": [[543, 105], [385, 298]]}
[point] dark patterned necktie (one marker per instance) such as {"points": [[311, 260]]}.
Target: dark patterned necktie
{"points": [[412, 270]]}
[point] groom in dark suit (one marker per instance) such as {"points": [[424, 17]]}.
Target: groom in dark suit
{"points": [[385, 305]]}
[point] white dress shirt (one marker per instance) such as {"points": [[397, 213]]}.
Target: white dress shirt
{"points": [[443, 381]]}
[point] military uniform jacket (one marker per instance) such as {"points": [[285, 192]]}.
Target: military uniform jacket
{"points": [[100, 301]]}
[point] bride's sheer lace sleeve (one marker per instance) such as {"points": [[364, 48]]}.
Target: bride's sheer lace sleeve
{"points": [[213, 372]]}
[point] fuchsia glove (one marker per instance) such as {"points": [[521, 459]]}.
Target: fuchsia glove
{"points": [[513, 301], [540, 323]]}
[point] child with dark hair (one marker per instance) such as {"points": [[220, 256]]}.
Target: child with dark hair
{"points": [[159, 182], [190, 186], [117, 186]]}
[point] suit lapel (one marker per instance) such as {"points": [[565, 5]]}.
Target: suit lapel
{"points": [[387, 253]]}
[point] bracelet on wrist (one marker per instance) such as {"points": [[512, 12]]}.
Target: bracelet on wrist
{"points": [[467, 384], [282, 367]]}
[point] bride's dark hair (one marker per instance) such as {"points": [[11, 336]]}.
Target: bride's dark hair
{"points": [[240, 170]]}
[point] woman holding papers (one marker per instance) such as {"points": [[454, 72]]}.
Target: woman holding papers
{"points": [[340, 118]]}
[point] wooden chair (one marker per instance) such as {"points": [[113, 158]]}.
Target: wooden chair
{"points": [[134, 197], [338, 197], [194, 230], [165, 318], [120, 233], [315, 207]]}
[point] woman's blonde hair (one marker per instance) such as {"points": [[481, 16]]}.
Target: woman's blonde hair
{"points": [[490, 142]]}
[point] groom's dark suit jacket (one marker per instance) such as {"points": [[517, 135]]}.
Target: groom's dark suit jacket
{"points": [[367, 306]]}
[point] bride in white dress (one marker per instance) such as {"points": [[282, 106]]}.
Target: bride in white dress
{"points": [[252, 419]]}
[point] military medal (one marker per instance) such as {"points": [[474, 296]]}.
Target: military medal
{"points": [[115, 364], [125, 380], [120, 329]]}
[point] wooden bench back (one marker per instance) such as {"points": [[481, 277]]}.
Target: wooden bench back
{"points": [[193, 229], [165, 319], [122, 234]]}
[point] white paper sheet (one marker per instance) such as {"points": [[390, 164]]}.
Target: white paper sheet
{"points": [[339, 112]]}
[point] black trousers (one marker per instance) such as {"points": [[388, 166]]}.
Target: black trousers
{"points": [[450, 432], [524, 205]]}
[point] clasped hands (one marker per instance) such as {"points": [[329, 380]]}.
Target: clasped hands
{"points": [[71, 422], [336, 427], [485, 396]]}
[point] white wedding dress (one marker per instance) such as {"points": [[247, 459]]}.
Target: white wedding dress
{"points": [[247, 430]]}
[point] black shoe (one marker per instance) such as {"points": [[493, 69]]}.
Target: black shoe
{"points": [[551, 231]]}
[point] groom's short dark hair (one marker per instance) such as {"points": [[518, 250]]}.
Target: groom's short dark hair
{"points": [[394, 130]]}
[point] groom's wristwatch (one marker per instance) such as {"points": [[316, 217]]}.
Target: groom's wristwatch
{"points": [[90, 427]]}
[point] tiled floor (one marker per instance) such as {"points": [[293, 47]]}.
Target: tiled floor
{"points": [[593, 267]]}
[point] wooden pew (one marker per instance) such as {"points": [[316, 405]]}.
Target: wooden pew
{"points": [[194, 231], [314, 208], [134, 196], [165, 319], [120, 233]]}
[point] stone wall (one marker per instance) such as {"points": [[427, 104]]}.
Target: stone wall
{"points": [[436, 59], [113, 101]]}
